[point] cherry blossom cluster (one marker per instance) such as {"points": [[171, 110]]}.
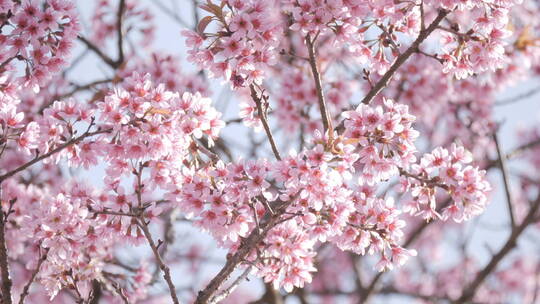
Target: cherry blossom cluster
{"points": [[14, 129], [38, 34], [470, 100], [384, 138], [61, 123], [375, 226], [448, 170], [220, 198], [230, 201], [151, 127], [135, 18], [477, 38], [77, 242], [244, 43], [479, 49], [348, 21], [150, 123], [62, 227]]}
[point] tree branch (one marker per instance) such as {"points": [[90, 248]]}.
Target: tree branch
{"points": [[52, 152], [98, 52], [413, 236], [42, 258], [251, 241], [325, 114], [522, 148], [264, 120], [506, 181], [169, 12], [233, 286], [119, 20], [383, 82], [430, 298], [511, 243], [166, 270], [76, 89], [517, 98], [4, 263]]}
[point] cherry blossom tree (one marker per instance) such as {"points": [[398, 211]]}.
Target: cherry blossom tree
{"points": [[326, 151]]}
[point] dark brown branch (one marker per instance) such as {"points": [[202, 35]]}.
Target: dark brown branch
{"points": [[224, 294], [383, 82], [141, 222], [512, 154], [271, 295], [520, 97], [325, 115], [42, 258], [96, 293], [52, 152], [469, 292], [118, 289], [506, 181], [206, 295], [115, 64], [119, 21], [166, 270], [98, 52], [264, 120], [4, 263], [3, 64]]}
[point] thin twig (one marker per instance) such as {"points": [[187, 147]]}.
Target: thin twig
{"points": [[225, 293], [522, 148], [383, 82], [517, 98], [141, 222], [118, 289], [413, 236], [77, 88], [26, 289], [469, 292], [506, 181], [326, 119], [166, 270], [248, 244], [52, 152], [169, 13], [97, 51], [430, 298], [264, 120]]}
